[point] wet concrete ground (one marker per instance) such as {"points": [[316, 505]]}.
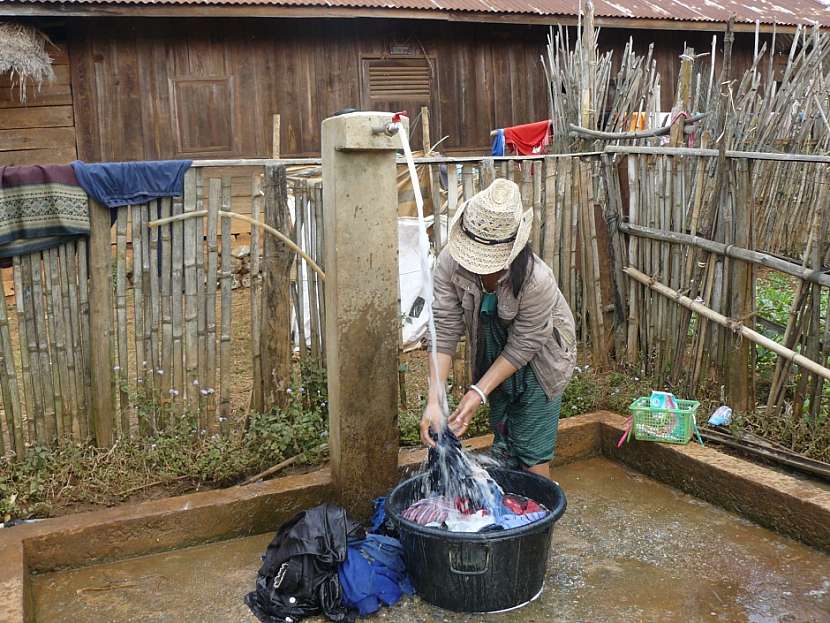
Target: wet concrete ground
{"points": [[627, 549]]}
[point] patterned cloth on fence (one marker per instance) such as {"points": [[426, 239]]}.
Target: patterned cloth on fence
{"points": [[40, 207], [116, 184]]}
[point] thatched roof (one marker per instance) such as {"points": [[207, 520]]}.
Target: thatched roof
{"points": [[23, 55]]}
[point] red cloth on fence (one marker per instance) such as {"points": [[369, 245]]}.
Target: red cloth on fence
{"points": [[528, 139]]}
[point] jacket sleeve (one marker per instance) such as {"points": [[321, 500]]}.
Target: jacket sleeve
{"points": [[446, 308], [531, 329]]}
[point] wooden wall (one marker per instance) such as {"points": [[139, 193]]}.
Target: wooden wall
{"points": [[155, 88], [42, 131], [143, 92], [200, 88]]}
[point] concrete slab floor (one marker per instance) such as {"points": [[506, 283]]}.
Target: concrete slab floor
{"points": [[627, 549]]}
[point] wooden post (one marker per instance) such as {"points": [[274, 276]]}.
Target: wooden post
{"points": [[362, 308], [739, 364], [681, 102], [425, 135], [100, 322], [276, 302], [616, 253]]}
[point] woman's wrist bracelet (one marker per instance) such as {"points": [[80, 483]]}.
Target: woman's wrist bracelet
{"points": [[480, 393]]}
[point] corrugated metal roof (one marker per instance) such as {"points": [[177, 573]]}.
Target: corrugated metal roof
{"points": [[787, 12]]}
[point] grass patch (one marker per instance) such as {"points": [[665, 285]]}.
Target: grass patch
{"points": [[53, 481]]}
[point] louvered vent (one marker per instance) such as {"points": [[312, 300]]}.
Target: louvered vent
{"points": [[398, 80]]}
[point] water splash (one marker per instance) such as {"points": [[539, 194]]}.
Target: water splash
{"points": [[459, 474]]}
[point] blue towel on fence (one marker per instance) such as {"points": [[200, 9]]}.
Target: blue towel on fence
{"points": [[498, 143], [374, 574], [116, 184]]}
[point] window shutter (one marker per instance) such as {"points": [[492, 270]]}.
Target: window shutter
{"points": [[407, 80]]}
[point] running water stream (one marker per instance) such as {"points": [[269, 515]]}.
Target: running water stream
{"points": [[459, 474]]}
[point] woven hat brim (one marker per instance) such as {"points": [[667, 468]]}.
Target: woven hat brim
{"points": [[484, 259]]}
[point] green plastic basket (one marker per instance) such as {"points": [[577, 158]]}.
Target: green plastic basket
{"points": [[665, 425]]}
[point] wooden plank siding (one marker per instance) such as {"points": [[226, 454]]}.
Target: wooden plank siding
{"points": [[43, 130], [210, 90], [305, 70]]}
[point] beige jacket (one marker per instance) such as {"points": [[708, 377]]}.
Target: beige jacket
{"points": [[540, 325]]}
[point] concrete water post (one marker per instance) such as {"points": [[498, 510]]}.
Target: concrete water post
{"points": [[362, 305]]}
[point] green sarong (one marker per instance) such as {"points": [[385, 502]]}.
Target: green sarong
{"points": [[524, 421]]}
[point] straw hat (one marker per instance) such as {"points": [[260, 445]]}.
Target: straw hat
{"points": [[490, 229]]}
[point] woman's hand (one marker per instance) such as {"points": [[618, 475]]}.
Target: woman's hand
{"points": [[463, 415], [432, 419]]}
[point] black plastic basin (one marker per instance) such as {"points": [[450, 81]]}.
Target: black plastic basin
{"points": [[472, 572]]}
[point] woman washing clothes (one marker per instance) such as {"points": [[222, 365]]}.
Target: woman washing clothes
{"points": [[490, 286]]}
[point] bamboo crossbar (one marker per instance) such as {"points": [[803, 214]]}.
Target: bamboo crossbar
{"points": [[713, 153], [260, 162], [755, 257], [729, 323], [619, 136], [255, 162], [243, 217]]}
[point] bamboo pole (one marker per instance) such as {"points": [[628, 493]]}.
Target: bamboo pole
{"points": [[100, 322], [225, 336], [191, 328], [123, 365], [729, 323], [321, 296], [467, 181], [215, 198], [201, 306], [537, 175], [452, 195], [311, 277], [567, 207], [74, 363], [550, 239], [84, 263], [632, 353], [56, 319], [166, 365], [149, 301], [256, 292], [713, 153], [8, 381], [51, 401], [56, 353], [727, 250], [179, 390], [141, 355], [300, 284], [69, 260], [488, 173], [31, 400], [244, 217], [526, 190], [42, 394], [154, 314]]}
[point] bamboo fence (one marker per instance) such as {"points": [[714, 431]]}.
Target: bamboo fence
{"points": [[170, 279], [170, 272]]}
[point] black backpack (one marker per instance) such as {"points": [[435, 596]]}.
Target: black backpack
{"points": [[298, 577]]}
